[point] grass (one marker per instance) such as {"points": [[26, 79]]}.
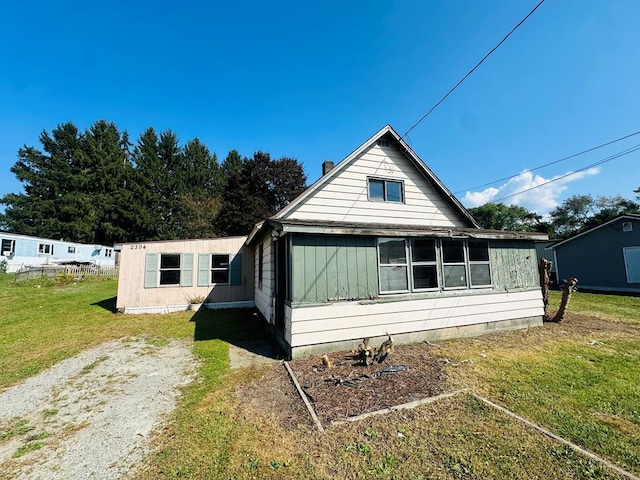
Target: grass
{"points": [[554, 376]]}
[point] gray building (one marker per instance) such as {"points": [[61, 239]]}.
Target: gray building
{"points": [[605, 258]]}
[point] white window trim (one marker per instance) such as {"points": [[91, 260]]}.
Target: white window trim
{"points": [[429, 263], [439, 264], [406, 265], [12, 247]]}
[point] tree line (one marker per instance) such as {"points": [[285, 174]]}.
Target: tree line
{"points": [[576, 214], [95, 186]]}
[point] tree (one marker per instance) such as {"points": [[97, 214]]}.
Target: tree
{"points": [[74, 187], [259, 190], [582, 212], [498, 216]]}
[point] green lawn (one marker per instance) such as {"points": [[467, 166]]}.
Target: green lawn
{"points": [[580, 382]]}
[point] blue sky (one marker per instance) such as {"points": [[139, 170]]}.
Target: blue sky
{"points": [[313, 80]]}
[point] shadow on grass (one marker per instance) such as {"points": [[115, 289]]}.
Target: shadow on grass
{"points": [[108, 304], [241, 327]]}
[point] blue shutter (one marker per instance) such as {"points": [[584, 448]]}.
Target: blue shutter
{"points": [[151, 270], [186, 270], [235, 270], [204, 269]]}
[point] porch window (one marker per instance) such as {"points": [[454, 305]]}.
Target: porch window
{"points": [[170, 269], [424, 264], [479, 267], [385, 190], [219, 268], [393, 267], [454, 269]]}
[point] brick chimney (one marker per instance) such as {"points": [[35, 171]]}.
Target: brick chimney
{"points": [[327, 166]]}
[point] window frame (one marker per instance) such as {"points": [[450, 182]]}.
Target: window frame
{"points": [[108, 252], [169, 269], [438, 263], [45, 249], [12, 246], [390, 265], [213, 269], [420, 263], [385, 189]]}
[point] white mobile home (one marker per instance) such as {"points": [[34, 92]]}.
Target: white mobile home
{"points": [[24, 250]]}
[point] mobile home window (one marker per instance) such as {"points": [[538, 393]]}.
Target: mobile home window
{"points": [[71, 250], [385, 190], [392, 264], [108, 252], [424, 267], [219, 268], [170, 269], [46, 248], [8, 247]]}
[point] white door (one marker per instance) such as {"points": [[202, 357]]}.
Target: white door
{"points": [[632, 263]]}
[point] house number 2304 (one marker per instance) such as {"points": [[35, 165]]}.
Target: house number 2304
{"points": [[138, 247]]}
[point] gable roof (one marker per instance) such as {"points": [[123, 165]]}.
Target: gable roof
{"points": [[420, 166], [630, 216]]}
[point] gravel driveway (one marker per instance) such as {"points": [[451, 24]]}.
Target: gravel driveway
{"points": [[92, 416]]}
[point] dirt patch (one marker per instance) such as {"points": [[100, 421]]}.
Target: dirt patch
{"points": [[91, 416], [350, 389]]}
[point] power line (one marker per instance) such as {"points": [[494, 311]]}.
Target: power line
{"points": [[600, 162], [551, 163], [473, 69]]}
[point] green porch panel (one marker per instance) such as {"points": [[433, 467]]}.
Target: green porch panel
{"points": [[332, 267], [513, 264]]}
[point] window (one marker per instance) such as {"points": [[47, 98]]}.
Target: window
{"points": [[108, 252], [479, 267], [428, 264], [8, 247], [424, 264], [260, 263], [392, 255], [454, 271], [385, 190], [170, 269], [71, 250], [219, 268], [383, 143], [46, 248]]}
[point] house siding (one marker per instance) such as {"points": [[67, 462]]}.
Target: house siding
{"points": [[137, 292], [345, 197], [264, 290], [596, 258]]}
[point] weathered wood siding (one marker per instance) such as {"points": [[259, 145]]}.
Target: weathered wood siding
{"points": [[353, 320], [345, 197], [513, 265], [329, 268], [132, 293], [264, 289], [333, 267], [596, 258]]}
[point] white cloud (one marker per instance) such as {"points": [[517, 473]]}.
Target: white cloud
{"points": [[539, 194]]}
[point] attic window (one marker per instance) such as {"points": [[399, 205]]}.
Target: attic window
{"points": [[383, 143], [627, 227], [385, 190]]}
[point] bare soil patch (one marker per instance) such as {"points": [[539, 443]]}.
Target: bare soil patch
{"points": [[350, 389]]}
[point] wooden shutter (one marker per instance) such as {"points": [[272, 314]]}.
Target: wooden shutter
{"points": [[235, 270], [151, 270], [204, 269], [186, 270]]}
